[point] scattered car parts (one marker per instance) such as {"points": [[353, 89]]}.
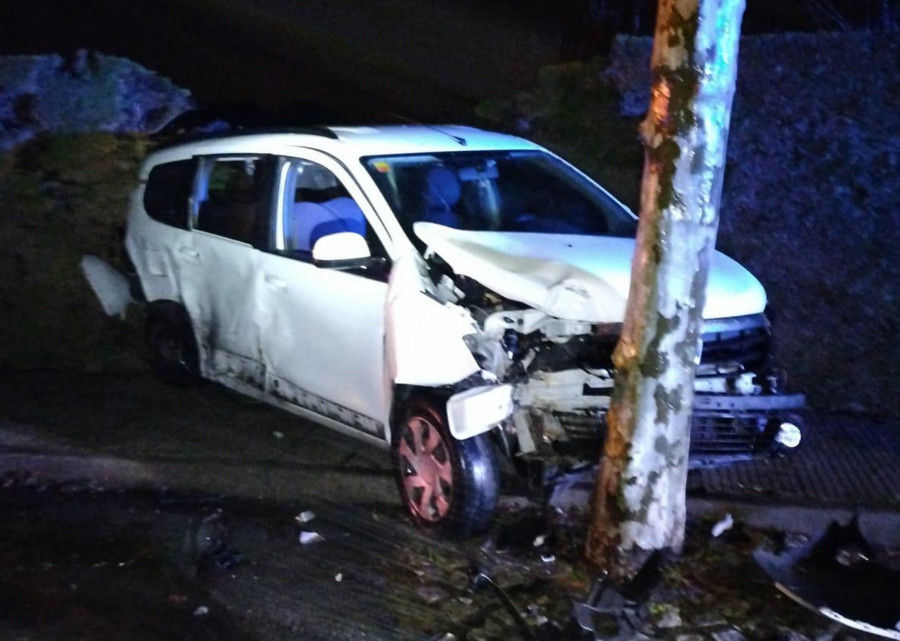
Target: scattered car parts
{"points": [[840, 576]]}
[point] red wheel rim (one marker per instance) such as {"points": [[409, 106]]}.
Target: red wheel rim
{"points": [[426, 468]]}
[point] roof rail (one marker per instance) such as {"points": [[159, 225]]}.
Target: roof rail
{"points": [[173, 140]]}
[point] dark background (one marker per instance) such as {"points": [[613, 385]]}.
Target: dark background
{"points": [[338, 61]]}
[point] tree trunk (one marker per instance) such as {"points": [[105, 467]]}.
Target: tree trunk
{"points": [[639, 502]]}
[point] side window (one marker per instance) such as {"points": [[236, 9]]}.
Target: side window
{"points": [[316, 205], [168, 191], [234, 198]]}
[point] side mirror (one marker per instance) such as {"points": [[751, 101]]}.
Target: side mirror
{"points": [[340, 248]]}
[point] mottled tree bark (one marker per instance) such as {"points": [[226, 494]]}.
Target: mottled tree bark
{"points": [[639, 503]]}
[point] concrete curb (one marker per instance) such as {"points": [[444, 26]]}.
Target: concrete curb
{"points": [[114, 473], [879, 527], [255, 480]]}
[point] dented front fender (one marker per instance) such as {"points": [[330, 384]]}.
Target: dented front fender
{"points": [[423, 336]]}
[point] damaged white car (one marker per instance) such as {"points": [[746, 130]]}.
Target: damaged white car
{"points": [[450, 294]]}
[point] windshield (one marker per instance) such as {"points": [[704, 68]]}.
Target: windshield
{"points": [[518, 191]]}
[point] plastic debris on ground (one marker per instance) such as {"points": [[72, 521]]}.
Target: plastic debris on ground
{"points": [[841, 576], [432, 594], [308, 537], [207, 542], [479, 578], [523, 535], [621, 607], [725, 524]]}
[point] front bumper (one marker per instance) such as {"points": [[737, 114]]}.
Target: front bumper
{"points": [[731, 428], [565, 413]]}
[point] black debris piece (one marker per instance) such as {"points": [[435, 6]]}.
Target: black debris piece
{"points": [[841, 576]]}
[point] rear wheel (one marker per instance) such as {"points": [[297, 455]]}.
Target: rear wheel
{"points": [[173, 350], [444, 483]]}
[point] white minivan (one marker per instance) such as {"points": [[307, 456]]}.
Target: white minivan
{"points": [[448, 294]]}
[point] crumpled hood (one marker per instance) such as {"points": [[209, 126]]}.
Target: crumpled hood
{"points": [[573, 277]]}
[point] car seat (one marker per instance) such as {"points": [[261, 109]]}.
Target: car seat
{"points": [[310, 221], [441, 195]]}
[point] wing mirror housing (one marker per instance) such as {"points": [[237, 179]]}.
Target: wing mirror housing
{"points": [[343, 248]]}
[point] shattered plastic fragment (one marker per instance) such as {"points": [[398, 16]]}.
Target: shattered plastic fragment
{"points": [[109, 285], [539, 540], [479, 578], [728, 634], [621, 606], [723, 525], [339, 577], [224, 558], [841, 576], [305, 516], [671, 618], [432, 594], [201, 611], [278, 435], [308, 537], [534, 615], [548, 558]]}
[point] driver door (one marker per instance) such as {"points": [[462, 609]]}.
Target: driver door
{"points": [[322, 328]]}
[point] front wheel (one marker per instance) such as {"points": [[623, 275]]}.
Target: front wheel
{"points": [[444, 483]]}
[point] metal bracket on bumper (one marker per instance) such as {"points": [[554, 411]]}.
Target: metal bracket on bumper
{"points": [[748, 403]]}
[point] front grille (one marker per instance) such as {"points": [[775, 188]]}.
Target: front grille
{"points": [[715, 434], [582, 426], [716, 438], [741, 343]]}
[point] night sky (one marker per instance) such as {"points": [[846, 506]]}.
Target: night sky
{"points": [[306, 65], [346, 61]]}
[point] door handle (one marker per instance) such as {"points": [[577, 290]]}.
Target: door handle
{"points": [[275, 282], [189, 253]]}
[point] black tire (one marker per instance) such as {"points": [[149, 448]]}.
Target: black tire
{"points": [[447, 485], [170, 342]]}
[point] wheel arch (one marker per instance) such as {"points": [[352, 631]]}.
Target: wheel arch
{"points": [[165, 312], [402, 394], [476, 470]]}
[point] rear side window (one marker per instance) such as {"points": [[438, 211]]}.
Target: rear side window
{"points": [[168, 191], [235, 197]]}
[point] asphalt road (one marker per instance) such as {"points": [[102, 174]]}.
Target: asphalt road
{"points": [[133, 510]]}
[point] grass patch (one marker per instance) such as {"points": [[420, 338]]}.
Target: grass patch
{"points": [[62, 197]]}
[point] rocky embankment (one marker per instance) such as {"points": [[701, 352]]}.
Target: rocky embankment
{"points": [[89, 93]]}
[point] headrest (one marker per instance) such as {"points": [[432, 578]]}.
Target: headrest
{"points": [[315, 177], [442, 187]]}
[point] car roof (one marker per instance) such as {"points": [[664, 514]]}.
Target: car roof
{"points": [[401, 139], [352, 141]]}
